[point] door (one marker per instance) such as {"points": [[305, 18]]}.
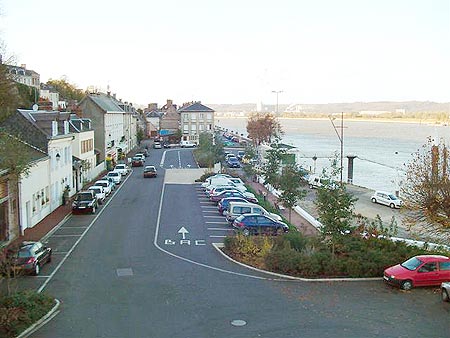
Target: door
{"points": [[428, 274]]}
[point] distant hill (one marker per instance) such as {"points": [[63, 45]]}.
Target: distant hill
{"points": [[406, 107]]}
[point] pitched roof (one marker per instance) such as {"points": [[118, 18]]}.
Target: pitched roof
{"points": [[196, 107], [22, 128], [105, 102]]}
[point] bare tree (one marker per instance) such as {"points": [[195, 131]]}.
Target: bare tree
{"points": [[263, 127], [426, 191]]}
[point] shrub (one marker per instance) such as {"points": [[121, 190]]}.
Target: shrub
{"points": [[20, 310]]}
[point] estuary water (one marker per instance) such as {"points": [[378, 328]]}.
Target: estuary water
{"points": [[382, 148]]}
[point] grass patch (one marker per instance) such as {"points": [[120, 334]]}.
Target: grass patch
{"points": [[20, 310]]}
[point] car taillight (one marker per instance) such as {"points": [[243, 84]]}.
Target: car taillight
{"points": [[239, 224], [30, 260]]}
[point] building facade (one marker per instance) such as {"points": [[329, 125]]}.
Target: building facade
{"points": [[196, 118]]}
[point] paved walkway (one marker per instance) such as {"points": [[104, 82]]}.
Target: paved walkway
{"points": [[298, 221]]}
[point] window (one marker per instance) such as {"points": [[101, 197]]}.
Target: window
{"points": [[444, 266], [428, 267], [258, 211], [185, 128]]}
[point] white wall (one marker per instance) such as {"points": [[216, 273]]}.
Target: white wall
{"points": [[31, 188]]}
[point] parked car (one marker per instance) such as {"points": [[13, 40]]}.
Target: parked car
{"points": [[166, 145], [99, 193], [445, 291], [187, 144], [220, 188], [85, 201], [423, 270], [240, 155], [116, 177], [31, 257], [106, 184], [150, 171], [137, 161], [255, 224], [157, 145], [233, 162], [238, 208], [111, 181], [123, 169], [386, 198], [141, 155], [246, 195], [224, 203], [219, 177]]}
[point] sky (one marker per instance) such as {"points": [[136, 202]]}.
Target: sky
{"points": [[237, 51]]}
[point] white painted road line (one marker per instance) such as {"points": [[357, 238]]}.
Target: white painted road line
{"points": [[205, 202], [216, 223], [222, 217], [219, 229], [69, 227], [217, 236], [208, 207], [67, 235], [210, 211]]}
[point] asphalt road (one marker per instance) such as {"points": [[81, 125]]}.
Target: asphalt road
{"points": [[133, 275]]}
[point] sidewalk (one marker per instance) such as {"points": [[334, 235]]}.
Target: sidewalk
{"points": [[298, 221], [37, 232]]}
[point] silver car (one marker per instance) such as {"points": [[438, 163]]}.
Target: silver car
{"points": [[386, 198], [445, 291]]}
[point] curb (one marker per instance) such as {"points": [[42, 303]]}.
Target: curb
{"points": [[219, 246], [41, 322]]}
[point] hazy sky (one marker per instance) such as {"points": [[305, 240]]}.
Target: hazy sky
{"points": [[236, 51]]}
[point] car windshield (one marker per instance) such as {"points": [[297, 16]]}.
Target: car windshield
{"points": [[120, 166], [412, 263], [96, 190], [149, 169], [393, 197], [113, 174]]}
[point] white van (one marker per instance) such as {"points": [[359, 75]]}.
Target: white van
{"points": [[238, 208], [187, 144], [318, 182]]}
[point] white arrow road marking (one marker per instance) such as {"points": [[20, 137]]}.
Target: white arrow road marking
{"points": [[183, 232]]}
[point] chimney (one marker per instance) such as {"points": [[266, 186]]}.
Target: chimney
{"points": [[114, 95], [66, 127], [54, 128], [23, 65]]}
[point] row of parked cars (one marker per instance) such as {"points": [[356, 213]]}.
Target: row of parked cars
{"points": [[87, 201], [241, 207]]}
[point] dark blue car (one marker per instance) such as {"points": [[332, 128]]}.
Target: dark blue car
{"points": [[256, 224], [233, 162]]}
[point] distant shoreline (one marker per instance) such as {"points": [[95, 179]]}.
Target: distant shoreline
{"points": [[352, 119]]}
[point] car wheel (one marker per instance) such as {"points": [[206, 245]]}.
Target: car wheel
{"points": [[49, 259], [445, 296], [392, 205], [246, 232], [407, 285], [37, 269], [374, 200]]}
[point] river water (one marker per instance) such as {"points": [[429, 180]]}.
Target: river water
{"points": [[382, 148]]}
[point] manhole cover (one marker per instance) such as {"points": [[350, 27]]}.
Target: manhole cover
{"points": [[124, 272], [238, 322]]}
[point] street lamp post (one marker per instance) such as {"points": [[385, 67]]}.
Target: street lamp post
{"points": [[277, 92], [341, 139]]}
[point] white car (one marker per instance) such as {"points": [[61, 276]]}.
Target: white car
{"points": [[141, 155], [123, 169], [106, 185], [386, 198], [116, 176], [99, 193], [445, 291]]}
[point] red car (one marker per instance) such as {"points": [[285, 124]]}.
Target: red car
{"points": [[424, 270]]}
